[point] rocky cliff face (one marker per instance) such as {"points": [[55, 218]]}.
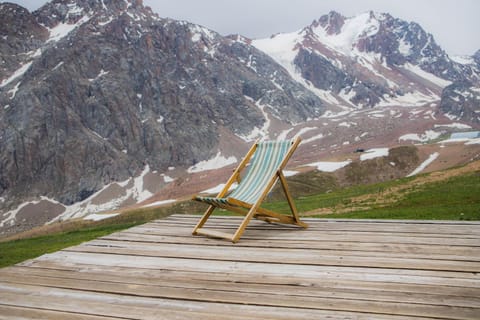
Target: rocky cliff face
{"points": [[103, 88], [21, 36], [461, 101]]}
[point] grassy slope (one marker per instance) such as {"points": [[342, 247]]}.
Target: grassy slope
{"points": [[15, 251], [55, 237], [452, 194], [455, 198], [449, 195]]}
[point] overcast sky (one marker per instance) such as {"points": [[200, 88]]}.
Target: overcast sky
{"points": [[455, 24]]}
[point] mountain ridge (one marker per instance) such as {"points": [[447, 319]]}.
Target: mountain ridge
{"points": [[370, 60]]}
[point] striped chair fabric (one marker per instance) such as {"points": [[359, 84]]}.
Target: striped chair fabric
{"points": [[264, 164]]}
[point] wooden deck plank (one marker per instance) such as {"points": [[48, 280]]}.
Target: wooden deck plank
{"points": [[345, 302], [308, 234], [234, 272], [88, 303], [326, 224], [286, 256], [305, 235], [169, 288], [138, 307], [361, 269], [18, 313], [201, 280], [461, 227], [293, 239], [306, 250], [335, 227], [466, 279], [448, 251]]}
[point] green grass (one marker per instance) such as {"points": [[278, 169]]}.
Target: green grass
{"points": [[15, 251], [457, 198], [63, 235], [335, 198]]}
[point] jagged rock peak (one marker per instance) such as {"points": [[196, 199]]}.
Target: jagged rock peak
{"points": [[89, 5], [18, 21], [71, 11], [397, 41], [12, 9], [239, 38], [476, 57], [21, 35], [331, 22]]}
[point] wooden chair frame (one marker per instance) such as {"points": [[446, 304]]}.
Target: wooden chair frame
{"points": [[252, 210]]}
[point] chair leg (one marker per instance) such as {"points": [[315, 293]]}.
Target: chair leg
{"points": [[204, 219], [291, 203], [244, 224]]}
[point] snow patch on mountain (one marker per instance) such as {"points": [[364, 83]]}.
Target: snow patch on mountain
{"points": [[16, 74], [217, 189], [283, 135], [283, 48], [465, 60], [427, 136], [424, 164], [159, 203], [404, 47], [355, 28], [167, 179], [314, 138], [62, 30], [14, 91], [199, 32], [99, 217], [10, 216], [216, 162], [137, 191], [262, 132], [442, 83], [329, 166], [374, 153], [455, 125], [410, 99], [132, 188]]}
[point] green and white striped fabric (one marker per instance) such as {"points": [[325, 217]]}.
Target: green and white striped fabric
{"points": [[264, 164]]}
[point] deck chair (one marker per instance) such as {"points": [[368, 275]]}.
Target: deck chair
{"points": [[266, 161]]}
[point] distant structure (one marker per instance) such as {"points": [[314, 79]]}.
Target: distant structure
{"points": [[465, 135]]}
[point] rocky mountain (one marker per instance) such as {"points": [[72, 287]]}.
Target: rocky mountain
{"points": [[104, 104], [21, 37], [93, 90], [461, 99], [372, 59]]}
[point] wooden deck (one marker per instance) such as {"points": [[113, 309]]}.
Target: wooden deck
{"points": [[336, 269]]}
